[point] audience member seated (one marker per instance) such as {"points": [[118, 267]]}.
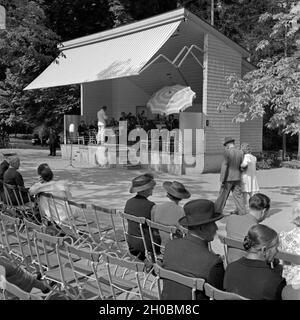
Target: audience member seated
{"points": [[190, 255], [48, 185], [237, 226], [140, 206], [3, 167], [20, 277], [14, 178], [168, 213], [290, 242], [252, 276]]}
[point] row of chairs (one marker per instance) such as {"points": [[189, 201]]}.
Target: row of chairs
{"points": [[96, 230], [50, 256]]}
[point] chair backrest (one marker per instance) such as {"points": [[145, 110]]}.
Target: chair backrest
{"points": [[140, 221], [229, 242], [87, 271], [105, 221], [10, 227], [123, 283], [191, 282], [30, 227], [288, 257], [238, 244], [154, 228], [217, 294], [11, 195], [42, 243]]}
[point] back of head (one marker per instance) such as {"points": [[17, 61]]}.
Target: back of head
{"points": [[14, 162], [259, 201], [45, 172], [259, 236]]}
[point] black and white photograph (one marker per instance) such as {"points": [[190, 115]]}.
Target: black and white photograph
{"points": [[149, 150]]}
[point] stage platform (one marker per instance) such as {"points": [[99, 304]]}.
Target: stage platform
{"points": [[121, 156]]}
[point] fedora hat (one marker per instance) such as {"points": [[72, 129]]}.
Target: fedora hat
{"points": [[176, 189], [143, 182], [198, 212], [227, 140]]}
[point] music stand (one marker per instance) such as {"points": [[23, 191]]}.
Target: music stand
{"points": [[71, 132]]}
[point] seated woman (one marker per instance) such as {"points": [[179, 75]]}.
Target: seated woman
{"points": [[14, 178], [20, 277], [252, 276], [140, 206], [290, 242], [46, 184], [168, 213]]}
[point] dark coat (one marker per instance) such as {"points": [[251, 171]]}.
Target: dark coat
{"points": [[14, 178], [191, 257], [138, 206], [3, 167], [254, 279], [230, 169]]}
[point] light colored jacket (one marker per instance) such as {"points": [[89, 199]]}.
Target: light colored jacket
{"points": [[56, 188]]}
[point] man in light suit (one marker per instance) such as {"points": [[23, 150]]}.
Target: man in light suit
{"points": [[230, 178], [190, 255]]}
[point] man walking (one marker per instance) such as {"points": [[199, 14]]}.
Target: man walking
{"points": [[102, 117], [230, 178]]}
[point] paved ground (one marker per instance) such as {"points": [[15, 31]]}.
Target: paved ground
{"points": [[110, 187]]}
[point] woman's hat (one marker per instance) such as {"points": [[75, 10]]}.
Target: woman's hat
{"points": [[143, 182], [227, 140], [198, 212], [176, 189]]}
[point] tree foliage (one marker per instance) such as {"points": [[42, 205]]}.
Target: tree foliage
{"points": [[275, 84], [76, 18], [27, 47]]}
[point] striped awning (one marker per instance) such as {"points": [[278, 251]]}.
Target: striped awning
{"points": [[116, 57]]}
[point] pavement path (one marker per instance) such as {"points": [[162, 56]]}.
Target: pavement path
{"points": [[110, 187]]}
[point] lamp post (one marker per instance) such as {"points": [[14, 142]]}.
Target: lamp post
{"points": [[71, 132]]}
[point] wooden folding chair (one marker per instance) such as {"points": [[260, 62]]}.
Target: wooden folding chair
{"points": [[12, 240], [154, 228], [10, 290], [108, 234], [217, 294], [129, 280], [288, 258], [85, 226], [141, 221], [28, 207], [52, 266], [196, 284], [89, 273], [229, 242], [29, 229]]}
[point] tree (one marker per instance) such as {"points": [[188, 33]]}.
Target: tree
{"points": [[275, 84], [76, 18], [27, 47]]}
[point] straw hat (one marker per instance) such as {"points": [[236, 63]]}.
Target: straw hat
{"points": [[176, 189], [143, 182]]}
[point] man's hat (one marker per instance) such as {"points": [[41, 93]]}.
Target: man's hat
{"points": [[227, 140], [176, 189], [143, 182], [198, 212]]}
